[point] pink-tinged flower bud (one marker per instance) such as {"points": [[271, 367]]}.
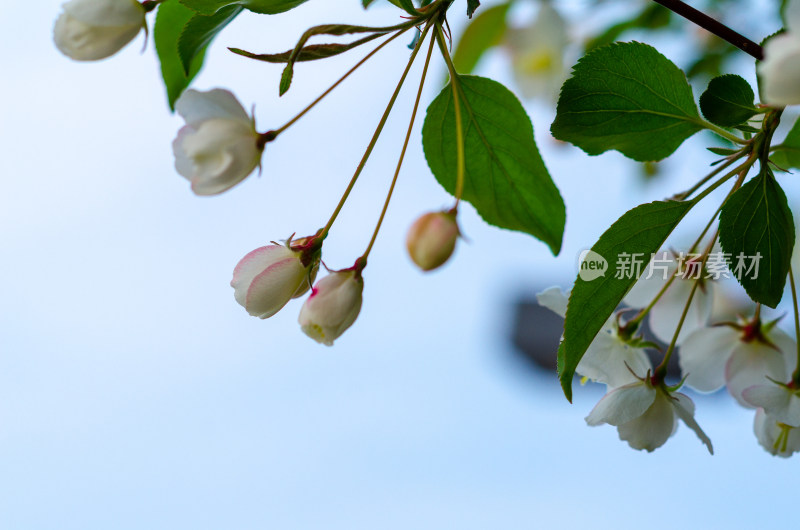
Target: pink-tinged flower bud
{"points": [[219, 146], [90, 30], [432, 239], [333, 306], [268, 277]]}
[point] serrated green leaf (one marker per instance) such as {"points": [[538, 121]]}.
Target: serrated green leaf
{"points": [[729, 100], [266, 7], [482, 34], [642, 231], [472, 5], [627, 97], [200, 31], [756, 221], [787, 154], [171, 18], [505, 178]]}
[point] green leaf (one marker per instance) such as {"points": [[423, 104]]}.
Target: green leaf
{"points": [[200, 31], [757, 221], [642, 231], [787, 154], [311, 52], [172, 17], [323, 29], [505, 177], [483, 33], [472, 5], [627, 97], [729, 100], [266, 7]]}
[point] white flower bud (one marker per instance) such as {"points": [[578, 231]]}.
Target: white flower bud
{"points": [[432, 239], [333, 306], [780, 69], [219, 145], [268, 277], [89, 30]]}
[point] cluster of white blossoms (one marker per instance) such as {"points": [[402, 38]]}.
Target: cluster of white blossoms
{"points": [[752, 359]]}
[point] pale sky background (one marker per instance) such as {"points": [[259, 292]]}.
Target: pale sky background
{"points": [[136, 394]]}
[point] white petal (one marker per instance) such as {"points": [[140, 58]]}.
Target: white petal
{"points": [[645, 289], [751, 363], [609, 360], [84, 42], [786, 345], [684, 408], [653, 428], [273, 288], [253, 264], [780, 70], [666, 314], [222, 154], [704, 354], [554, 299], [777, 440], [196, 106], [106, 12], [780, 403], [622, 404]]}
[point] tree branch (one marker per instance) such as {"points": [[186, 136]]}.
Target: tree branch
{"points": [[717, 28]]}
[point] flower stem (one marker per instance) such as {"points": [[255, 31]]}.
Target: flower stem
{"points": [[661, 369], [454, 83], [714, 26], [738, 169], [402, 153], [719, 169], [796, 374], [324, 233], [276, 132]]}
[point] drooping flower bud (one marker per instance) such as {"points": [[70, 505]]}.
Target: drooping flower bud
{"points": [[219, 145], [333, 306], [267, 278], [432, 239], [90, 30]]}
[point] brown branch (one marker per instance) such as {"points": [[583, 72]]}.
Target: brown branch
{"points": [[714, 26]]}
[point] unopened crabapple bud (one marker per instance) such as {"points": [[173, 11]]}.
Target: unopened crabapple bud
{"points": [[219, 145], [432, 239], [267, 278], [90, 30], [333, 306]]}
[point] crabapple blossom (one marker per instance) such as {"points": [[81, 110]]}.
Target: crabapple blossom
{"points": [[666, 313], [333, 306], [90, 30], [777, 438], [610, 358], [736, 356], [780, 402], [537, 54], [268, 277], [646, 414], [432, 239], [219, 145], [780, 69]]}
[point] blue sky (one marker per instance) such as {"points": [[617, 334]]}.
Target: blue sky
{"points": [[135, 393]]}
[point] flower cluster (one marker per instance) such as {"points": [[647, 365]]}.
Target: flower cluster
{"points": [[751, 358]]}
